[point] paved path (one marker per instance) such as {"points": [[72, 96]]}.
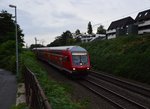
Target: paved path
{"points": [[8, 89]]}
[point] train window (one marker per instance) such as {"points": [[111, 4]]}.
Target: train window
{"points": [[80, 59], [76, 59], [84, 59], [66, 58]]}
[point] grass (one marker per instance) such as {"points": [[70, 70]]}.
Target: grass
{"points": [[20, 106], [128, 57], [58, 94]]}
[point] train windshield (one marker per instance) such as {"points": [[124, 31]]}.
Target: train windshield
{"points": [[80, 58]]}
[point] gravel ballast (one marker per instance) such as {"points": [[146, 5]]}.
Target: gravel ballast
{"points": [[79, 93]]}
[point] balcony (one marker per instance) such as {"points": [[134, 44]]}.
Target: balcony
{"points": [[144, 31], [145, 23], [111, 31]]}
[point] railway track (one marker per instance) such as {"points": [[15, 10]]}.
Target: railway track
{"points": [[124, 84], [112, 89]]}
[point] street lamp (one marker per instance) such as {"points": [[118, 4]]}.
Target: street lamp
{"points": [[13, 6]]}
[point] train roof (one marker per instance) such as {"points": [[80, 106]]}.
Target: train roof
{"points": [[70, 48]]}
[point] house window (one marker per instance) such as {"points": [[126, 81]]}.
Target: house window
{"points": [[140, 15], [146, 13]]}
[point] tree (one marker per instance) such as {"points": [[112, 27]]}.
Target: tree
{"points": [[7, 41], [65, 39], [7, 55], [36, 46], [77, 32], [77, 40], [101, 30], [56, 42], [89, 29], [7, 28], [65, 36]]}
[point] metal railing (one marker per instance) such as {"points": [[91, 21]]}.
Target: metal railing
{"points": [[35, 96]]}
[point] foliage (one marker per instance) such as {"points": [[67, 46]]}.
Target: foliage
{"points": [[77, 32], [125, 56], [101, 30], [77, 40], [63, 40], [7, 55], [57, 93], [20, 106], [7, 29], [8, 41], [89, 28], [35, 46], [66, 36]]}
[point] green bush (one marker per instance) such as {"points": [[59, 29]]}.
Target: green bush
{"points": [[20, 106], [124, 56], [57, 94], [7, 56]]}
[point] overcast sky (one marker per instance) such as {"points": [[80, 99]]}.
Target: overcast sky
{"points": [[46, 19]]}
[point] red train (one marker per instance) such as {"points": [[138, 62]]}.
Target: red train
{"points": [[73, 60]]}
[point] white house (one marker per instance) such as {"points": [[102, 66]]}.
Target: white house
{"points": [[143, 22], [86, 37], [98, 37], [119, 27]]}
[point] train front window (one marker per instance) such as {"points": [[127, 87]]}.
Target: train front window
{"points": [[79, 58]]}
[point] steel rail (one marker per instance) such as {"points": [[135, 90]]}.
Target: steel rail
{"points": [[101, 95], [122, 97], [109, 78]]}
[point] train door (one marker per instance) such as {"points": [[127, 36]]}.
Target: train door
{"points": [[66, 62]]}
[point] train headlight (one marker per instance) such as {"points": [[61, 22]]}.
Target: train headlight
{"points": [[88, 68], [74, 68]]}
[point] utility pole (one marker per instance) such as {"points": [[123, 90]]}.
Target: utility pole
{"points": [[42, 42], [36, 44], [35, 41], [17, 64]]}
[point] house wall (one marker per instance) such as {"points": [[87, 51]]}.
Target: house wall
{"points": [[87, 39], [121, 32], [132, 29], [111, 33], [111, 36], [144, 31], [144, 27], [144, 23]]}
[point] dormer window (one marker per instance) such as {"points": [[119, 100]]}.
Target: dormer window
{"points": [[146, 13], [140, 15]]}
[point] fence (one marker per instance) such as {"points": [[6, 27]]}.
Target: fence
{"points": [[35, 96]]}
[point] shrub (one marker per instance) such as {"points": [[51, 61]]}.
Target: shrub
{"points": [[57, 95], [20, 106], [7, 55], [124, 56]]}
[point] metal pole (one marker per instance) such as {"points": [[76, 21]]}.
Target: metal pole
{"points": [[17, 64]]}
